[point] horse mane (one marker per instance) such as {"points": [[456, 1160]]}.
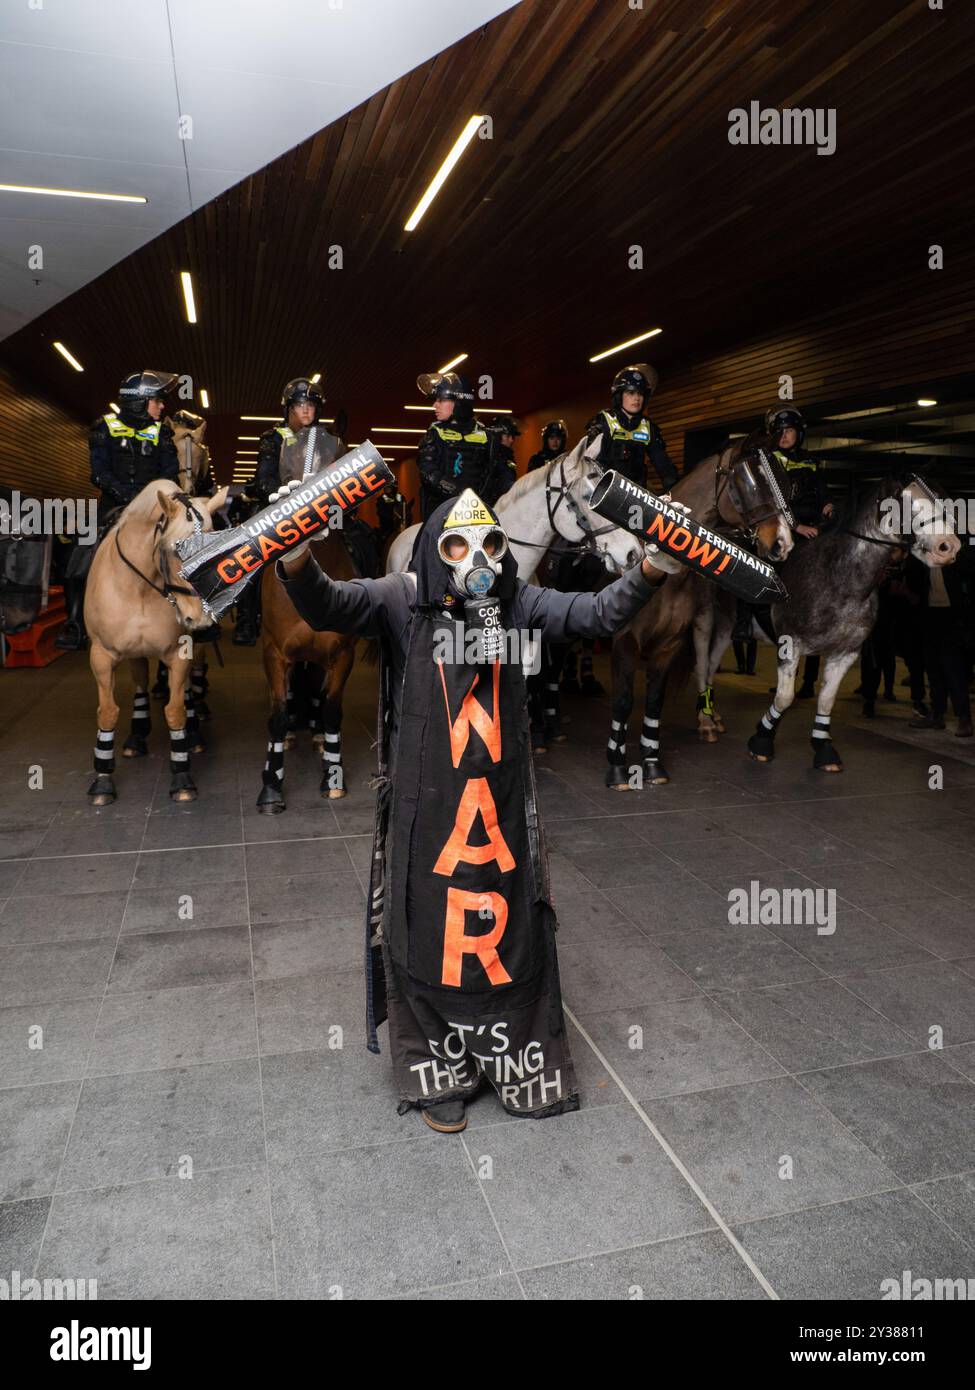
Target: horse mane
{"points": [[145, 507], [527, 481]]}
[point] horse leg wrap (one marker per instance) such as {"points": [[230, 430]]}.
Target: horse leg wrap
{"points": [[198, 689], [193, 732], [315, 714], [824, 753], [762, 742], [141, 725], [705, 701], [102, 790], [179, 761], [105, 750], [272, 778], [551, 712], [654, 771], [160, 691], [616, 773], [333, 774]]}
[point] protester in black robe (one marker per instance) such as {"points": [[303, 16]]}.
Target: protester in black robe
{"points": [[461, 932]]}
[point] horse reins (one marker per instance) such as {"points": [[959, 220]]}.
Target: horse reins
{"points": [[166, 590], [563, 493]]}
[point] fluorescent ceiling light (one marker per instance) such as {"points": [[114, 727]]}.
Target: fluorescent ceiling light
{"points": [[204, 400], [859, 414], [495, 409], [247, 453], [68, 358], [262, 417], [640, 338], [394, 429], [244, 437], [114, 407], [440, 177], [403, 446], [188, 298], [72, 193], [316, 378], [462, 358], [926, 401]]}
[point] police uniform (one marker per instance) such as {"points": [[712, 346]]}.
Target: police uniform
{"points": [[125, 457], [628, 442], [454, 455]]}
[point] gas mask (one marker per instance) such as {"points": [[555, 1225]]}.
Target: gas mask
{"points": [[472, 546]]}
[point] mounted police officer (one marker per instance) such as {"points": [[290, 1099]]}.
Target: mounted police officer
{"points": [[555, 438], [128, 451], [630, 439], [455, 453], [786, 428], [301, 404], [503, 432]]}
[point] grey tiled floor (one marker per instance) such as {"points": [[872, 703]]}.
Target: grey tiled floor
{"points": [[797, 1118]]}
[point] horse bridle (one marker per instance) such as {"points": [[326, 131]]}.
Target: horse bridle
{"points": [[902, 543], [562, 492], [167, 589], [778, 505]]}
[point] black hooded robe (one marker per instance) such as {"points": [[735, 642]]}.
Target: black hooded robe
{"points": [[461, 930]]}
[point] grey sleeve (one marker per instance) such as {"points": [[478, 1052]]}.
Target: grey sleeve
{"points": [[560, 616], [360, 607]]}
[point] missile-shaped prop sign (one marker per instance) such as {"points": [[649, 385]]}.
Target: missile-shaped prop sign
{"points": [[220, 564], [674, 533]]}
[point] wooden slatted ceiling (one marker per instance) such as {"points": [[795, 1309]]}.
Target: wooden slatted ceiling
{"points": [[610, 127]]}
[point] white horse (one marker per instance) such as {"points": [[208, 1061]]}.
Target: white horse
{"points": [[546, 503]]}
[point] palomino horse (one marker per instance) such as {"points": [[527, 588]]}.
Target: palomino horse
{"points": [[135, 611], [725, 492], [195, 476], [832, 583], [543, 504], [287, 640]]}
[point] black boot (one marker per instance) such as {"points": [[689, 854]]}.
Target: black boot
{"points": [[72, 637]]}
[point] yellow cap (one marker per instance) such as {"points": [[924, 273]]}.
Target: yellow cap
{"points": [[468, 510]]}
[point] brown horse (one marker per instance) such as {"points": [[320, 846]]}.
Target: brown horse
{"points": [[658, 634], [135, 609], [288, 640]]}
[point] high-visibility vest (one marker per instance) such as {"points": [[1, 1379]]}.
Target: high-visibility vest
{"points": [[118, 430], [640, 435], [792, 464], [468, 452]]}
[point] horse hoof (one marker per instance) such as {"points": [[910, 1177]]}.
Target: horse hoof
{"points": [[655, 775], [270, 801], [203, 712], [183, 794], [540, 748], [134, 748], [318, 741], [708, 735], [336, 792], [760, 757], [290, 739], [618, 778], [760, 748], [198, 747], [559, 738], [102, 790], [720, 726]]}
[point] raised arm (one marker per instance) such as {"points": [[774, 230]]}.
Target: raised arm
{"points": [[560, 616], [357, 606]]}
